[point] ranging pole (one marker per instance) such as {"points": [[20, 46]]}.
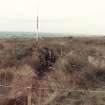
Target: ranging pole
{"points": [[37, 34], [37, 25]]}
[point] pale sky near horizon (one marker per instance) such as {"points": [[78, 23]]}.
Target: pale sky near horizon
{"points": [[70, 16]]}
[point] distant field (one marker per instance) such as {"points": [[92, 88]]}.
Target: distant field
{"points": [[52, 71]]}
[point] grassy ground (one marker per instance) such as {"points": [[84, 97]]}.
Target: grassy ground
{"points": [[79, 65]]}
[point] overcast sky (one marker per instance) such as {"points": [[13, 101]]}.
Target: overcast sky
{"points": [[76, 16]]}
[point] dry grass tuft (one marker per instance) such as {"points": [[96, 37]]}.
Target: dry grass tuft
{"points": [[6, 77]]}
